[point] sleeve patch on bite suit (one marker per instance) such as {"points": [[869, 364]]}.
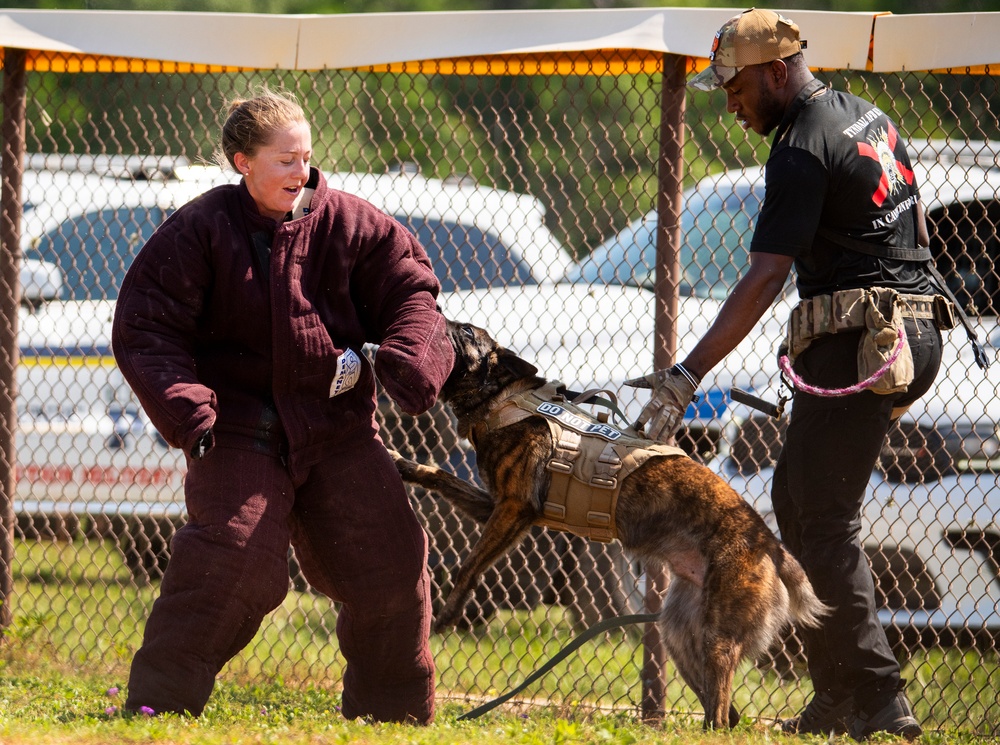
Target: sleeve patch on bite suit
{"points": [[348, 372]]}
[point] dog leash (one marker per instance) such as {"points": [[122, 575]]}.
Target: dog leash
{"points": [[598, 628], [800, 384], [795, 381]]}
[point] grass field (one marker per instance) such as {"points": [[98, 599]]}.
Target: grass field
{"points": [[77, 621]]}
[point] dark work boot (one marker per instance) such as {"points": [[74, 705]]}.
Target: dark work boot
{"points": [[893, 715], [826, 712]]}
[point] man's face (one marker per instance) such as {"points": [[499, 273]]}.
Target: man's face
{"points": [[753, 97]]}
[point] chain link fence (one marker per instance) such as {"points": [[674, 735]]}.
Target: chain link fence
{"points": [[535, 195]]}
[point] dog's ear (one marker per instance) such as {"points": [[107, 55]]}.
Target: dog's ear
{"points": [[518, 367]]}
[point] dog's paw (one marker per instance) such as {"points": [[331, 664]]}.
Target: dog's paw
{"points": [[405, 466], [447, 617], [442, 625]]}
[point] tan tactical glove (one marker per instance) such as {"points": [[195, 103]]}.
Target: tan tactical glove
{"points": [[673, 390]]}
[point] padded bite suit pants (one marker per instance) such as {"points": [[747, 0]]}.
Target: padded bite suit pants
{"points": [[820, 482], [356, 539]]}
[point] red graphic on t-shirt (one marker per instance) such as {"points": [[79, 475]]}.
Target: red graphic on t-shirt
{"points": [[882, 149]]}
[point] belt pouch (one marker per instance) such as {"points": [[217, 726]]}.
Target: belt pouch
{"points": [[879, 341]]}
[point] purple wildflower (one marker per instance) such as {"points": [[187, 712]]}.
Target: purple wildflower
{"points": [[111, 711], [146, 711], [113, 691]]}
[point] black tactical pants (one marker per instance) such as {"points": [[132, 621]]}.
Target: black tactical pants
{"points": [[820, 481]]}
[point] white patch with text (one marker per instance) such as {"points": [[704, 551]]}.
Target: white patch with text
{"points": [[571, 420], [348, 372]]}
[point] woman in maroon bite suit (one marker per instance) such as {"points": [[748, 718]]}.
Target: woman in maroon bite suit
{"points": [[240, 328]]}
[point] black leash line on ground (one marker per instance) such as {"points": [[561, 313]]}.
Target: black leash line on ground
{"points": [[597, 628]]}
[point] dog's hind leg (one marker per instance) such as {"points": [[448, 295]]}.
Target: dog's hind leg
{"points": [[469, 498], [684, 633], [745, 606], [722, 656], [680, 629], [507, 523]]}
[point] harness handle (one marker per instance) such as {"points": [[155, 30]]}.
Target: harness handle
{"points": [[593, 396]]}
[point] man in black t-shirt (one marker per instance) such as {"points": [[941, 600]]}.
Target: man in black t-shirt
{"points": [[841, 205]]}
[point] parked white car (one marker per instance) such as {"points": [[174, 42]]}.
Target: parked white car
{"points": [[932, 513], [86, 218]]}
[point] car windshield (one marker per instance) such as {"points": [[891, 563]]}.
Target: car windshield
{"points": [[716, 224], [95, 249], [465, 257]]}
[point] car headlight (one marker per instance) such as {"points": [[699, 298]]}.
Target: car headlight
{"points": [[756, 444], [918, 453], [975, 449], [914, 453]]}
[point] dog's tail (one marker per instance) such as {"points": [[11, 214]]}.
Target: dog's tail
{"points": [[805, 608]]}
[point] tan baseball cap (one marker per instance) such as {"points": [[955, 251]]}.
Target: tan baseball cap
{"points": [[753, 37]]}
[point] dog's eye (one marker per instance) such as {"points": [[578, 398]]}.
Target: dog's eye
{"points": [[467, 330]]}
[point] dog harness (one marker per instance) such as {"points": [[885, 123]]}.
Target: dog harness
{"points": [[591, 458]]}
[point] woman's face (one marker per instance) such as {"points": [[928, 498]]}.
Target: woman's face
{"points": [[276, 173]]}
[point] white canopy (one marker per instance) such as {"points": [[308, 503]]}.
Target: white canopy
{"points": [[230, 39], [306, 42], [936, 41], [635, 35], [374, 38]]}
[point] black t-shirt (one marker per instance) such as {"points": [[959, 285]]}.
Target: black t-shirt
{"points": [[838, 164]]}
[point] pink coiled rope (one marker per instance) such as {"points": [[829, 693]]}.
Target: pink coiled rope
{"points": [[801, 385]]}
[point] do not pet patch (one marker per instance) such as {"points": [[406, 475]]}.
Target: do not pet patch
{"points": [[580, 424]]}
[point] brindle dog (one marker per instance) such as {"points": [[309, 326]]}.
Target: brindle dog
{"points": [[733, 587]]}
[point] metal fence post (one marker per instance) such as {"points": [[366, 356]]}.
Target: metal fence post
{"points": [[670, 184], [12, 130]]}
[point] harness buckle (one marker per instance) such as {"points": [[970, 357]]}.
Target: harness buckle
{"points": [[559, 466], [599, 519], [554, 511]]}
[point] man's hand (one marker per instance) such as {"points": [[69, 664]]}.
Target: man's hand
{"points": [[673, 390]]}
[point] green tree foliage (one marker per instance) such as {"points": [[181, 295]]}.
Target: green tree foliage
{"points": [[501, 130]]}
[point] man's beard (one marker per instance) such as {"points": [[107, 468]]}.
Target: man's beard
{"points": [[770, 111]]}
